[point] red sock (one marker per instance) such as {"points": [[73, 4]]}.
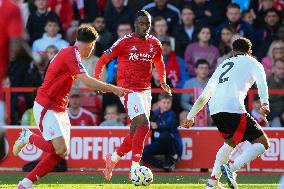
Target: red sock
{"points": [[39, 142], [126, 145], [138, 142], [44, 167]]}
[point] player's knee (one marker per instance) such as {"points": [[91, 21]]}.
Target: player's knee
{"points": [[61, 150]]}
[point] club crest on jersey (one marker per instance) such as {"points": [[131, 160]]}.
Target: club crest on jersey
{"points": [[151, 48]]}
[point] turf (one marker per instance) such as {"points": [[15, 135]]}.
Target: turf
{"points": [[120, 181]]}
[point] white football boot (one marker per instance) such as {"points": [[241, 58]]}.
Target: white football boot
{"points": [[21, 186], [22, 141], [213, 184], [230, 176]]}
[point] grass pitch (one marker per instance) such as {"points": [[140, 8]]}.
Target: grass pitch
{"points": [[120, 181]]}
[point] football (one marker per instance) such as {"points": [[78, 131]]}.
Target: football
{"points": [[142, 176]]}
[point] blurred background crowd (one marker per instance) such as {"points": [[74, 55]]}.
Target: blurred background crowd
{"points": [[196, 37]]}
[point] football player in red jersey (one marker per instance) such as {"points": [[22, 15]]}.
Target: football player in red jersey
{"points": [[50, 106], [136, 52]]}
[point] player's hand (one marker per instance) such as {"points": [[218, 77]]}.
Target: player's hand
{"points": [[187, 123], [167, 88], [119, 91], [264, 110]]}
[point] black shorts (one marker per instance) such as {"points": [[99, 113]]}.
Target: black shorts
{"points": [[239, 127]]}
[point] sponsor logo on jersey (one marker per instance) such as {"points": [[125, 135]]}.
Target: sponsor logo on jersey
{"points": [[151, 48], [140, 56]]}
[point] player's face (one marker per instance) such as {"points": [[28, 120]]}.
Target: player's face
{"points": [[165, 105], [142, 26], [88, 49]]}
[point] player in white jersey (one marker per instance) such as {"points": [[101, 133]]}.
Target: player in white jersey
{"points": [[227, 89]]}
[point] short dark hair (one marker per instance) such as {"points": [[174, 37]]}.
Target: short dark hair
{"points": [[158, 18], [233, 5], [87, 34], [165, 96], [141, 13], [242, 45], [201, 62], [187, 7], [271, 10], [52, 20]]}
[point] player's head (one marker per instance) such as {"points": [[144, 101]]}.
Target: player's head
{"points": [[242, 46], [86, 39], [142, 23], [165, 102]]}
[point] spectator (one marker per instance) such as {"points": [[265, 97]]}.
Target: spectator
{"points": [[78, 115], [165, 10], [123, 29], [37, 20], [175, 67], [64, 9], [256, 114], [275, 52], [276, 81], [278, 121], [201, 50], [202, 68], [105, 37], [165, 139], [111, 116], [117, 13], [269, 27], [160, 28], [233, 19], [184, 32], [248, 17], [87, 10], [50, 37], [207, 12]]}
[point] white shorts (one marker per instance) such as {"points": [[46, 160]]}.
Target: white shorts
{"points": [[54, 124], [137, 103]]}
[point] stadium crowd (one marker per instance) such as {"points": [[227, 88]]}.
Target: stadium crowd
{"points": [[196, 37]]}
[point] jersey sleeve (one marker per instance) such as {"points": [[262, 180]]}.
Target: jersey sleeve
{"points": [[260, 78], [74, 63], [206, 94], [159, 64], [15, 24], [107, 56]]}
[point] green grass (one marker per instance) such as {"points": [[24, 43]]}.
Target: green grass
{"points": [[120, 181]]}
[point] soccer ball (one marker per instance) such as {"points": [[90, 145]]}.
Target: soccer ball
{"points": [[142, 176]]}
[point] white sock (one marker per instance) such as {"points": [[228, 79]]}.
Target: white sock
{"points": [[26, 182], [222, 157], [250, 153], [115, 157]]}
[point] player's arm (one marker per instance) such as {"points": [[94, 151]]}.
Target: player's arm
{"points": [[260, 78], [101, 86], [160, 67], [206, 94], [107, 56]]}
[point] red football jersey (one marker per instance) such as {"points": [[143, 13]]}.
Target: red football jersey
{"points": [[11, 28], [135, 58], [59, 78], [84, 118]]}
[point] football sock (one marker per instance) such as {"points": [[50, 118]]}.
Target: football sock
{"points": [[44, 167], [138, 142], [222, 157], [250, 153], [125, 147], [26, 182], [39, 142]]}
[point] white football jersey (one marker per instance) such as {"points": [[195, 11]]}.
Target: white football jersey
{"points": [[231, 81]]}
